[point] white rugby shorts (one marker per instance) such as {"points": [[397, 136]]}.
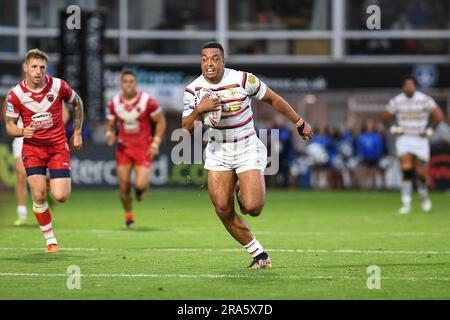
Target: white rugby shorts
{"points": [[240, 156], [416, 145]]}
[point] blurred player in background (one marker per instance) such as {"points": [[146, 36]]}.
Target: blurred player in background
{"points": [[238, 156], [38, 100], [408, 116], [134, 111], [21, 176]]}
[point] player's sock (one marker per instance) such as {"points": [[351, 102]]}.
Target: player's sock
{"points": [[406, 187], [139, 193], [422, 188], [254, 248], [22, 212], [129, 217], [44, 218], [129, 220]]}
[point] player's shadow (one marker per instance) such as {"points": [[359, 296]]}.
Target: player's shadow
{"points": [[41, 257], [26, 226], [403, 264]]}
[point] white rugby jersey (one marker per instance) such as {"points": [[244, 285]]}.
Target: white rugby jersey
{"points": [[412, 114], [235, 91]]}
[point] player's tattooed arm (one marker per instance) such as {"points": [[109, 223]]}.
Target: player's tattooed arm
{"points": [[282, 106], [78, 113], [76, 141], [15, 132], [11, 127]]}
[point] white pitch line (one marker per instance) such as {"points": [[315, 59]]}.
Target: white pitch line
{"points": [[356, 251], [304, 250], [215, 276], [194, 276], [269, 233]]}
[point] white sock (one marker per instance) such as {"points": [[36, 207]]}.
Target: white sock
{"points": [[254, 248], [48, 234], [46, 229], [406, 190], [422, 189], [22, 211]]}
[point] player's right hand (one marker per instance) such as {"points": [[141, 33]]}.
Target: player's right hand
{"points": [[396, 130], [207, 105], [28, 131]]}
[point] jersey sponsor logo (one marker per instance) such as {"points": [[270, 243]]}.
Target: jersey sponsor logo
{"points": [[232, 107], [251, 79], [131, 126], [42, 120]]}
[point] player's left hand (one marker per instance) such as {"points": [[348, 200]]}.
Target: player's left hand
{"points": [[427, 132], [305, 131], [76, 141], [153, 151]]}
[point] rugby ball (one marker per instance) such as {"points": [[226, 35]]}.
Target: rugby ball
{"points": [[212, 118]]}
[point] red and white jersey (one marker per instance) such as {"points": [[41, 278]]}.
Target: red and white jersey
{"points": [[235, 91], [135, 126], [42, 109], [412, 114]]}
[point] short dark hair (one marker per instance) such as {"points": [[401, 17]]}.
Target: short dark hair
{"points": [[213, 44], [410, 77], [127, 72]]}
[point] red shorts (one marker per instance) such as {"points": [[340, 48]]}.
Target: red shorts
{"points": [[56, 158], [133, 155]]}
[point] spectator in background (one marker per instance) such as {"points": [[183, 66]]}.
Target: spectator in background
{"points": [[402, 23], [402, 46], [347, 153], [349, 134], [286, 152], [370, 149], [318, 151], [334, 174], [418, 16]]}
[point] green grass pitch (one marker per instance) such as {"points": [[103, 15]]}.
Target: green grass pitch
{"points": [[321, 244]]}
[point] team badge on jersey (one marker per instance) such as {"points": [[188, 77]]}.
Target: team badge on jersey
{"points": [[129, 107], [251, 79], [50, 97], [232, 92]]}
